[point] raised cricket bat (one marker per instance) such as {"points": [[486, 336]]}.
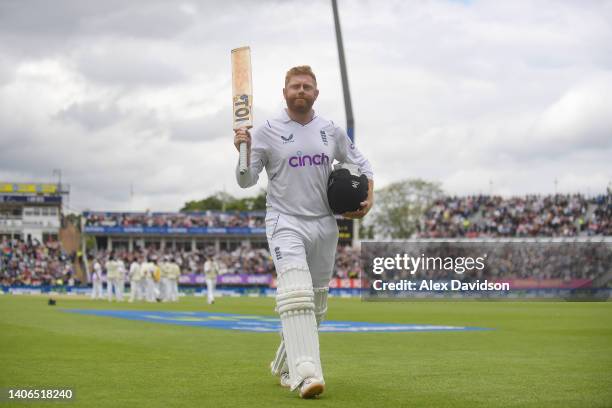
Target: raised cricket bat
{"points": [[242, 92]]}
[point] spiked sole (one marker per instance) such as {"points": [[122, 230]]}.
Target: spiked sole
{"points": [[312, 390]]}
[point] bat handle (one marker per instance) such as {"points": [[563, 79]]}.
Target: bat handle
{"points": [[242, 161]]}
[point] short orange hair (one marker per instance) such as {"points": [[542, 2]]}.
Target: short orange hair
{"points": [[300, 70]]}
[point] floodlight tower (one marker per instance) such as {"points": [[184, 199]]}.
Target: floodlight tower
{"points": [[348, 107]]}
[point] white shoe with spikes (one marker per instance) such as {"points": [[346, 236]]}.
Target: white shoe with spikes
{"points": [[311, 388], [285, 380]]}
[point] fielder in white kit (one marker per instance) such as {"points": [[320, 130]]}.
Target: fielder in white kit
{"points": [[96, 280], [297, 150]]}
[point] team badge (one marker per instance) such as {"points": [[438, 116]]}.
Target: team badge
{"points": [[278, 254], [324, 137]]}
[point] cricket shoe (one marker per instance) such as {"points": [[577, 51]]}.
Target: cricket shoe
{"points": [[285, 380], [311, 388]]}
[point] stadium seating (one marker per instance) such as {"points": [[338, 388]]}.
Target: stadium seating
{"points": [[33, 263], [482, 216], [526, 216], [211, 219]]}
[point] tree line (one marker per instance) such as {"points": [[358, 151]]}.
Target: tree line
{"points": [[398, 207], [222, 201]]}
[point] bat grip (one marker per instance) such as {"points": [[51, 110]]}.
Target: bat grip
{"points": [[242, 161]]}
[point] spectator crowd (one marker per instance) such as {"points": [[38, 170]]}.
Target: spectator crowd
{"points": [[210, 219], [501, 260], [34, 263], [526, 216], [450, 217]]}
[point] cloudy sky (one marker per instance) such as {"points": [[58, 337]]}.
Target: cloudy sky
{"points": [[482, 96]]}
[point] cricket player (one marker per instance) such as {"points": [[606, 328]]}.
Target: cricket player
{"points": [[157, 279], [164, 281], [120, 283], [96, 280], [135, 278], [297, 150], [113, 277], [142, 282], [175, 273], [148, 270], [211, 270]]}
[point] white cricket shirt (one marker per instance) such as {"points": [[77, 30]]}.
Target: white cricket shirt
{"points": [[298, 159]]}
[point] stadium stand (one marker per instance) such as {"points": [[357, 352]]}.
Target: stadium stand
{"points": [[211, 219], [527, 216], [34, 263], [31, 262]]}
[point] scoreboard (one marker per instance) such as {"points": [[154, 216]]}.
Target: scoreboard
{"points": [[29, 188]]}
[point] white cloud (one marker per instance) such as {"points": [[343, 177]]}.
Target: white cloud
{"points": [[121, 93], [581, 118]]}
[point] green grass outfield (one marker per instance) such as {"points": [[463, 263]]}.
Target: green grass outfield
{"points": [[541, 354]]}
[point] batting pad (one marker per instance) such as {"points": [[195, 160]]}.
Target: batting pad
{"points": [[279, 364], [295, 304], [320, 302]]}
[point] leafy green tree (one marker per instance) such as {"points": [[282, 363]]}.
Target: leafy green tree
{"points": [[222, 201], [255, 203], [399, 207], [209, 203]]}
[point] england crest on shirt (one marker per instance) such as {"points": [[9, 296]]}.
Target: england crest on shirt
{"points": [[323, 137]]}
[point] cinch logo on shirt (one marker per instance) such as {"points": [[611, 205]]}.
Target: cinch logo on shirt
{"points": [[307, 160]]}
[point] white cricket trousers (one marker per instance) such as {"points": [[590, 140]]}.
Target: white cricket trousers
{"points": [[164, 289], [135, 290], [151, 290], [174, 293], [117, 284], [142, 289], [96, 290], [210, 290], [310, 241]]}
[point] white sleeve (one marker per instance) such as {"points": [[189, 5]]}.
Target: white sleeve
{"points": [[258, 161], [347, 152]]}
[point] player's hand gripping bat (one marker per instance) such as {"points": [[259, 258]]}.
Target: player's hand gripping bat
{"points": [[242, 92]]}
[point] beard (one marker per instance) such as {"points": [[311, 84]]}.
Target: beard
{"points": [[300, 105]]}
